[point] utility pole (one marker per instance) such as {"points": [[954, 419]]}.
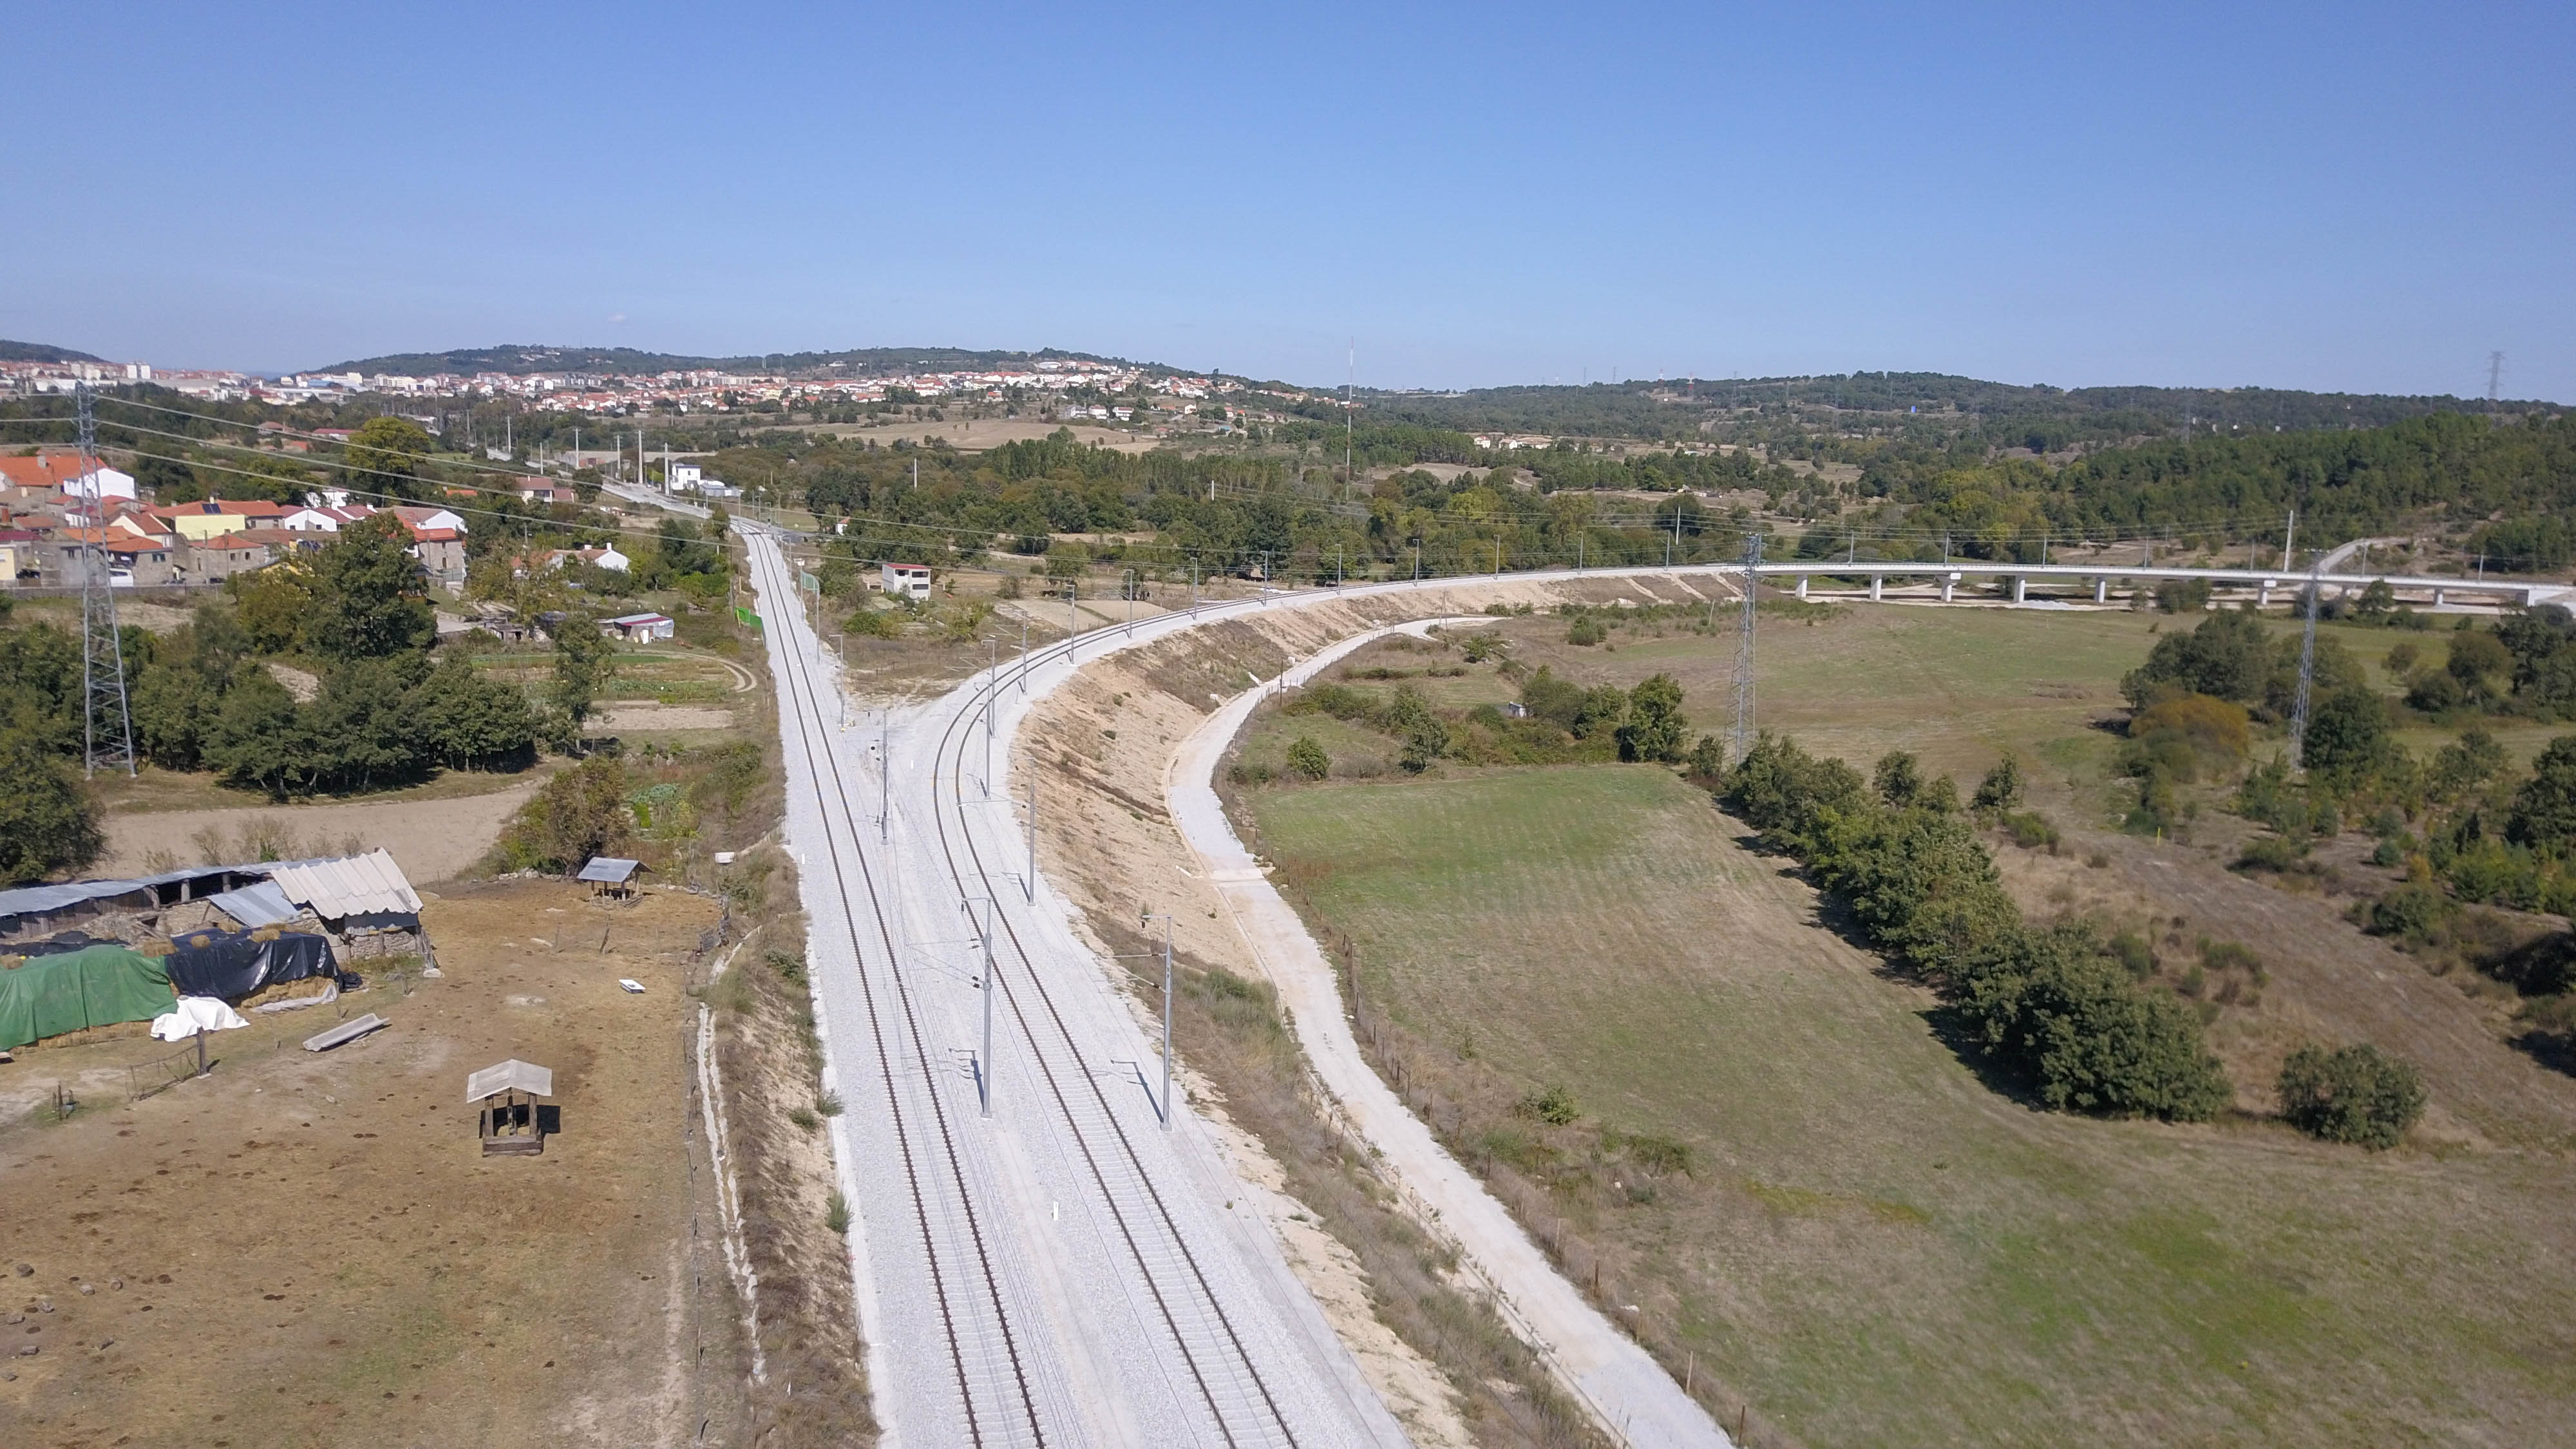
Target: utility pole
{"points": [[1127, 583], [1143, 919], [2307, 666], [1029, 886], [992, 682], [2495, 376], [885, 777], [984, 1060], [105, 710], [1744, 637], [2287, 538], [1024, 656], [1072, 622]]}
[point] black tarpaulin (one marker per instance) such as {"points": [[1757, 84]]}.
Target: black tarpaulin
{"points": [[235, 964]]}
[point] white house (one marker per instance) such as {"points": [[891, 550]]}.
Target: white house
{"points": [[907, 581], [639, 626], [99, 482], [681, 478]]}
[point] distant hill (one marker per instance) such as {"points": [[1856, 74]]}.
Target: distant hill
{"points": [[2039, 417], [520, 358], [39, 352]]}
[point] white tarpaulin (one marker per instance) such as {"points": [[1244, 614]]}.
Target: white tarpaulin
{"points": [[195, 1014]]}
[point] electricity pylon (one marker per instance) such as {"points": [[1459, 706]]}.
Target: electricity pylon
{"points": [[1744, 650], [107, 723]]}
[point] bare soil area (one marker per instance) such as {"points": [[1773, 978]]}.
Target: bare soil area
{"points": [[433, 835], [306, 1249]]}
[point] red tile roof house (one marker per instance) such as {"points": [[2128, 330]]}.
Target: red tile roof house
{"points": [[62, 472], [215, 559], [441, 552], [144, 562]]}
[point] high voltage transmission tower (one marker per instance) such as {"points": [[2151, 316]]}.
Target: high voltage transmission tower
{"points": [[107, 725], [2307, 666], [1744, 650]]}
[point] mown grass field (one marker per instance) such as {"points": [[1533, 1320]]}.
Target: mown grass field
{"points": [[1873, 1245]]}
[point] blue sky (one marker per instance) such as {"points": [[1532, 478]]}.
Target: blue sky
{"points": [[2344, 197]]}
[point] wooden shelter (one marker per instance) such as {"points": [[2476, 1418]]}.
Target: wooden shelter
{"points": [[504, 1097]]}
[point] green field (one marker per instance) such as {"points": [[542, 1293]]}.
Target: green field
{"points": [[1874, 1246]]}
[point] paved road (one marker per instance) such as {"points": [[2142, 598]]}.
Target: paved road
{"points": [[1065, 1271]]}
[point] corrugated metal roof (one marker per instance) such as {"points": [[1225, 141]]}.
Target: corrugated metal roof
{"points": [[513, 1075], [359, 885], [38, 899], [260, 903], [608, 869]]}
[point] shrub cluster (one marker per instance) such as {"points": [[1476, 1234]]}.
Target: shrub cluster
{"points": [[2356, 1094], [2052, 1005]]}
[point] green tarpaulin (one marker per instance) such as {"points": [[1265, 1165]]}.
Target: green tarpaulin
{"points": [[50, 995]]}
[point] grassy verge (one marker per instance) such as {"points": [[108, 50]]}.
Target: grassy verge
{"points": [[1756, 1137], [1243, 1046]]}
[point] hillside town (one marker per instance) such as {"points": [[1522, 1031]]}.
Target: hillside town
{"points": [[696, 391]]}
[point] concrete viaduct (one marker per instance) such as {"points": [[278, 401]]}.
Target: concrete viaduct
{"points": [[2263, 583]]}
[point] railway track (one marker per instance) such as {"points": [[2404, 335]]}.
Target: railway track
{"points": [[1228, 1380], [973, 1318]]}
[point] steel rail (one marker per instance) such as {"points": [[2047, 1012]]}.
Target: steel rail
{"points": [[951, 751], [808, 724]]}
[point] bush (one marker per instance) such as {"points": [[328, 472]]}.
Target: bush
{"points": [[1307, 758], [48, 819], [581, 813], [2030, 830], [2356, 1094], [2413, 912], [1553, 1106], [2001, 789], [1586, 631]]}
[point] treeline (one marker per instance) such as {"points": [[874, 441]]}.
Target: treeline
{"points": [[2050, 1006], [385, 709]]}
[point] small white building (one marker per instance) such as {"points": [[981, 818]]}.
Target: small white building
{"points": [[904, 581], [639, 626]]}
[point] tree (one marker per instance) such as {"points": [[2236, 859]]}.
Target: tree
{"points": [[2227, 657], [369, 600], [585, 659], [274, 605], [364, 730], [1898, 779], [2348, 737], [1307, 758], [474, 721], [1656, 730], [2544, 809], [256, 740], [2356, 1094], [388, 455], [2001, 789], [580, 813], [166, 480], [2479, 660], [1409, 718], [48, 820]]}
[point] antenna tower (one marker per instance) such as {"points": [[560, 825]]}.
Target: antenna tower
{"points": [[107, 724], [2307, 667], [2495, 375], [1744, 650]]}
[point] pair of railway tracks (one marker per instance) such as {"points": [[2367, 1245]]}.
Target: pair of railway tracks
{"points": [[982, 1331]]}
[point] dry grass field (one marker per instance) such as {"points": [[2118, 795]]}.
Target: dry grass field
{"points": [[311, 1250], [1872, 1244]]}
